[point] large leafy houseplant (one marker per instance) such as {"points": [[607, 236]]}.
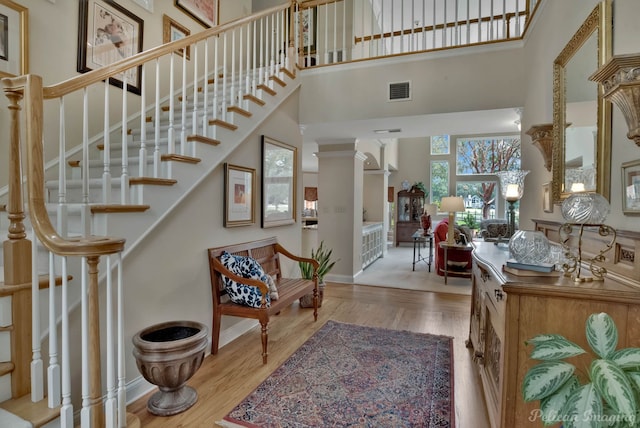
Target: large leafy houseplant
{"points": [[607, 395], [323, 256]]}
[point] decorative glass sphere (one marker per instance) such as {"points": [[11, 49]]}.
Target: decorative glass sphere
{"points": [[529, 246], [585, 208]]}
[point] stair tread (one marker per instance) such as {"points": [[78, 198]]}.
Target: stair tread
{"points": [[37, 413]]}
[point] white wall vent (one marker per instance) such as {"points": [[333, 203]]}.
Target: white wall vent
{"points": [[400, 91]]}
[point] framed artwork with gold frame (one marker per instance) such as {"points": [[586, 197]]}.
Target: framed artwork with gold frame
{"points": [[14, 39], [239, 195], [172, 31]]}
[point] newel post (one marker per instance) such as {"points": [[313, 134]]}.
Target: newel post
{"points": [[17, 253]]}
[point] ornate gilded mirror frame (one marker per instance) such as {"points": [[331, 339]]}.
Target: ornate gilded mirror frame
{"points": [[598, 22]]}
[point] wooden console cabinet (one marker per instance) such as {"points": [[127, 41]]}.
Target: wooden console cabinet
{"points": [[507, 310]]}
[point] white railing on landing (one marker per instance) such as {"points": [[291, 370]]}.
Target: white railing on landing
{"points": [[230, 67], [337, 31]]}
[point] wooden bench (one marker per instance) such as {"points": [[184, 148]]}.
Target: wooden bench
{"points": [[267, 252]]}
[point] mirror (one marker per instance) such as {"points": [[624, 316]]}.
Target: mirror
{"points": [[581, 116]]}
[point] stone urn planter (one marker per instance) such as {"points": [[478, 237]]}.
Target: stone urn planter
{"points": [[167, 355]]}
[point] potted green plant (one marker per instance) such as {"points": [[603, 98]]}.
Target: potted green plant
{"points": [[323, 256], [607, 395]]}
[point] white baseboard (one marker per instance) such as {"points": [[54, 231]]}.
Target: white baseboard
{"points": [[236, 330], [345, 279]]}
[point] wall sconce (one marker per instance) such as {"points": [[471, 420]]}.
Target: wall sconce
{"points": [[452, 205], [620, 79], [512, 188], [542, 138]]}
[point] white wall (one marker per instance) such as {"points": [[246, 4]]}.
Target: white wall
{"points": [[167, 275], [464, 80]]}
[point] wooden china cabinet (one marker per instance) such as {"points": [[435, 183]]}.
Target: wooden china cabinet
{"points": [[507, 310], [409, 209]]}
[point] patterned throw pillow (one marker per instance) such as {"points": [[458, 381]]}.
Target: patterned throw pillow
{"points": [[495, 230], [246, 267]]}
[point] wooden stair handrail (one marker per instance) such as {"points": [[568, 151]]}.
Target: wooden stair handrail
{"points": [[29, 88], [94, 76]]}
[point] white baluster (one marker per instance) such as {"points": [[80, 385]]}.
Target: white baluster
{"points": [[85, 213], [247, 88], [61, 220], [183, 125], [142, 164], [156, 125], [225, 77], [262, 42], [122, 381], [171, 136], [53, 371], [124, 175], [232, 77], [194, 119], [106, 152], [37, 369], [254, 83], [66, 411], [215, 79], [239, 101], [205, 94]]}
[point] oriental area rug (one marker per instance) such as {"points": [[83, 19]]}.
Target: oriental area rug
{"points": [[349, 375]]}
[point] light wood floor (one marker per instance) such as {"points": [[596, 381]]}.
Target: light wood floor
{"points": [[225, 379]]}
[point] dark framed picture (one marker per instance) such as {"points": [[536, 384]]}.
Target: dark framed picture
{"points": [[107, 34], [14, 47], [631, 187], [279, 170], [203, 11], [239, 195], [172, 31]]}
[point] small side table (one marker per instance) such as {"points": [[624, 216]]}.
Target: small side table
{"points": [[460, 247], [418, 240]]}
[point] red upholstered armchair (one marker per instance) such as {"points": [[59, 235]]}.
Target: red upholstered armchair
{"points": [[455, 256]]}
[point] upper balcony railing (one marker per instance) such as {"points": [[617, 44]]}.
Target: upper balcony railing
{"points": [[336, 31]]}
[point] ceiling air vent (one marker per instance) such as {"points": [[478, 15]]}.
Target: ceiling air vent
{"points": [[400, 91]]}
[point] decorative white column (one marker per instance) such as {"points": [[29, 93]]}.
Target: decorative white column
{"points": [[340, 187]]}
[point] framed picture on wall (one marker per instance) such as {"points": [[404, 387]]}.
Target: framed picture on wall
{"points": [[14, 47], [279, 169], [631, 187], [109, 33], [172, 31], [203, 11], [239, 195]]}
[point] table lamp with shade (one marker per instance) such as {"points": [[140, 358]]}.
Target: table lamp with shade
{"points": [[512, 187], [452, 205]]}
